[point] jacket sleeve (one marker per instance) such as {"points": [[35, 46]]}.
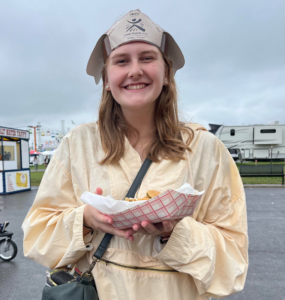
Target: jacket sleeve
{"points": [[213, 246], [53, 228]]}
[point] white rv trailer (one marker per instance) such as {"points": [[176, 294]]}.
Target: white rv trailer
{"points": [[254, 142]]}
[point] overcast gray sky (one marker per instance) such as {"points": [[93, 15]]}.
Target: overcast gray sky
{"points": [[234, 52]]}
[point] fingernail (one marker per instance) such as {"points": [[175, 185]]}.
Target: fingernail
{"points": [[109, 221]]}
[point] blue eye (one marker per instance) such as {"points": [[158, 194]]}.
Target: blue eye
{"points": [[147, 58], [122, 61]]}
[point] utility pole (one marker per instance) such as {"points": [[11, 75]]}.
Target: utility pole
{"points": [[35, 135], [39, 135]]}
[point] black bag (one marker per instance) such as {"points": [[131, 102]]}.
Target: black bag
{"points": [[74, 286], [73, 291]]}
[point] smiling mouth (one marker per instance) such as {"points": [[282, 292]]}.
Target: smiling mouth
{"points": [[136, 86]]}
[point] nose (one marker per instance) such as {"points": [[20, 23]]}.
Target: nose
{"points": [[135, 70]]}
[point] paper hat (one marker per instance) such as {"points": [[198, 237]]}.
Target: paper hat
{"points": [[134, 26]]}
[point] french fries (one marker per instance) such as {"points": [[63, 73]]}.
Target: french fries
{"points": [[149, 194], [152, 193]]}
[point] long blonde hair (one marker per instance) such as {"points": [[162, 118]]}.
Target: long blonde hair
{"points": [[167, 144]]}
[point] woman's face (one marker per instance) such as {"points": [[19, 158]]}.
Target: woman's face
{"points": [[135, 75]]}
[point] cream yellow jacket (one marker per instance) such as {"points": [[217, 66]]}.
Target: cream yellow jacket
{"points": [[206, 255]]}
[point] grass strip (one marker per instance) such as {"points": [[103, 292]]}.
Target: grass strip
{"points": [[36, 178], [40, 167]]}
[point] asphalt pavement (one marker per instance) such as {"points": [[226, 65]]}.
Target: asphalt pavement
{"points": [[24, 279]]}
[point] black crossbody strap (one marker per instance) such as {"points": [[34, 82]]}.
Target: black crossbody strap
{"points": [[131, 194], [103, 246], [139, 178]]}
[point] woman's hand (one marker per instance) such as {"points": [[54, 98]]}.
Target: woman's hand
{"points": [[96, 220], [163, 229]]}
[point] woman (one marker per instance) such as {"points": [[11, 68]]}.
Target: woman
{"points": [[47, 160], [205, 255], [36, 162]]}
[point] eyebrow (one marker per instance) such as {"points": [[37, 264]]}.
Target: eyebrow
{"points": [[126, 54]]}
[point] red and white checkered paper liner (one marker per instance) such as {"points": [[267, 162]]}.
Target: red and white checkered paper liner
{"points": [[166, 206]]}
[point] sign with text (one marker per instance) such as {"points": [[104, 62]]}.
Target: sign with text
{"points": [[17, 181], [16, 133]]}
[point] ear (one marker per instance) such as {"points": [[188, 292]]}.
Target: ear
{"points": [[165, 76], [106, 84], [166, 71]]}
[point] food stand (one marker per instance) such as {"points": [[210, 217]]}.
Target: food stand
{"points": [[14, 161]]}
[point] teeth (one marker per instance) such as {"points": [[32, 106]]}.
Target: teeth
{"points": [[136, 87]]}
